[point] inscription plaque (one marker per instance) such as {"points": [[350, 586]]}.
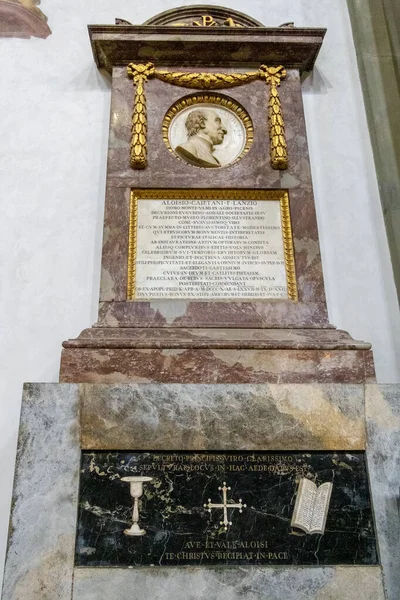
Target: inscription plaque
{"points": [[221, 508], [211, 245]]}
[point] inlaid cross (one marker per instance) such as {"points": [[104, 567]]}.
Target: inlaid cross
{"points": [[225, 505]]}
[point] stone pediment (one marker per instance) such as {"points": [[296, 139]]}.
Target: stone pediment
{"points": [[203, 15]]}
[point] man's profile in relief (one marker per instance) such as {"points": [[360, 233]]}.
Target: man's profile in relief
{"points": [[205, 130]]}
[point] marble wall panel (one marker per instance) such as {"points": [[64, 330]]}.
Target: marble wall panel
{"points": [[216, 417], [164, 170], [296, 583], [118, 365], [183, 313], [114, 263], [383, 431], [180, 532], [253, 171], [41, 545]]}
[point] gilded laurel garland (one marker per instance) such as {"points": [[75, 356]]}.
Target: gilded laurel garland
{"points": [[278, 147], [207, 81], [140, 74], [198, 194], [132, 243]]}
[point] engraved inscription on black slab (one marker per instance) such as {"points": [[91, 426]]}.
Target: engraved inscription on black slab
{"points": [[187, 508]]}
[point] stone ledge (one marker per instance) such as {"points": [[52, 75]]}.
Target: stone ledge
{"points": [[261, 339], [121, 44], [215, 365], [235, 583]]}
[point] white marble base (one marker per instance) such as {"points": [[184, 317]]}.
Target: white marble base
{"points": [[240, 583]]}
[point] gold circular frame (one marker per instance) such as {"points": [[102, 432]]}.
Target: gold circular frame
{"points": [[207, 98]]}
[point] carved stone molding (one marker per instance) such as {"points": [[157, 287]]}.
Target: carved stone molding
{"points": [[201, 47]]}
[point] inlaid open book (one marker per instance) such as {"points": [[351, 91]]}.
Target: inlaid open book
{"points": [[311, 508]]}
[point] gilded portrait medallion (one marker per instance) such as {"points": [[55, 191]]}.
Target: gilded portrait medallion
{"points": [[208, 130]]}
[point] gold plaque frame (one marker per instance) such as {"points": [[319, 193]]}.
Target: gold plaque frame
{"points": [[218, 100], [181, 194]]}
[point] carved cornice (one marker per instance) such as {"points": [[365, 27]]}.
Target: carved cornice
{"points": [[118, 45]]}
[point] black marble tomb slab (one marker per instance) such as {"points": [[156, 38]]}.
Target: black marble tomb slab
{"points": [[181, 531]]}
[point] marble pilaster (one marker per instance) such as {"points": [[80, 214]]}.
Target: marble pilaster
{"points": [[40, 555], [382, 404]]}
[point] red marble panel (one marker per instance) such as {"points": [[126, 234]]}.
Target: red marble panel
{"points": [[212, 366], [253, 171], [182, 313]]}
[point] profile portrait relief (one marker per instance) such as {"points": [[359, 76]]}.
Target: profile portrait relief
{"points": [[209, 132], [205, 131]]}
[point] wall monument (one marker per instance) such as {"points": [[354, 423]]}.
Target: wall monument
{"points": [[212, 424]]}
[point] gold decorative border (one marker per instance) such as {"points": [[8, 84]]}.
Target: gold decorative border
{"points": [[222, 101], [288, 247], [132, 247], [226, 194]]}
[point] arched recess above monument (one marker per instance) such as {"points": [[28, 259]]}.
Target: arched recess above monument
{"points": [[203, 15]]}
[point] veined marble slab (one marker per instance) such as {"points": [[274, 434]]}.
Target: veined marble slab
{"points": [[40, 555], [224, 508], [295, 583], [383, 422], [222, 417]]}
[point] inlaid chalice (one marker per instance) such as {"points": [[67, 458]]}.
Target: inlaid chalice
{"points": [[136, 489]]}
